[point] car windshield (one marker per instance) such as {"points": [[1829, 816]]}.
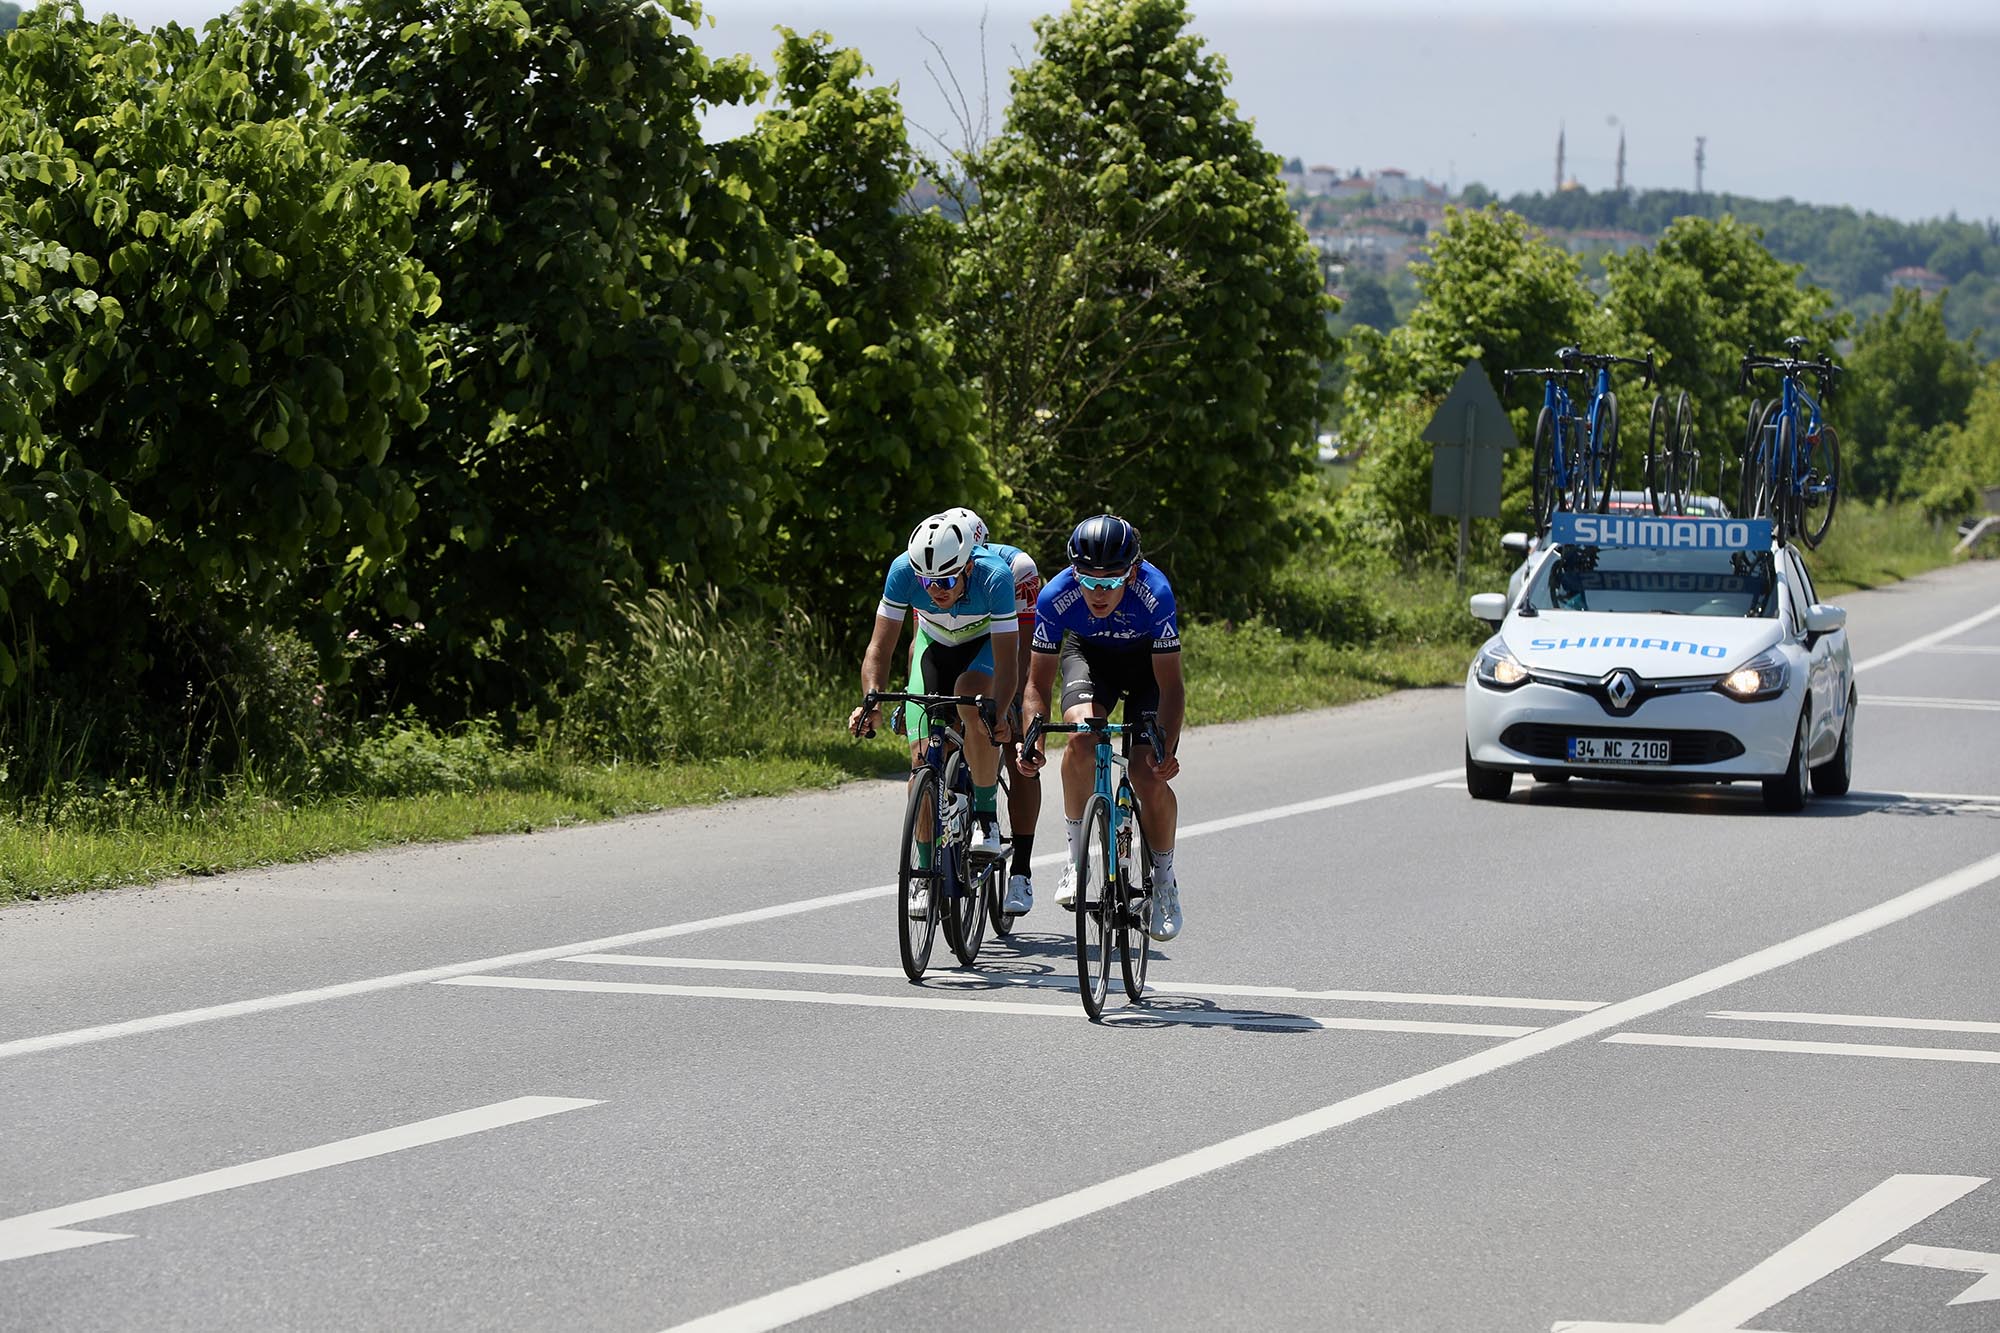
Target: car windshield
{"points": [[1658, 582]]}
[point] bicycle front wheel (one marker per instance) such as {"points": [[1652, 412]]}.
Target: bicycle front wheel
{"points": [[1096, 900], [1822, 485], [1659, 469], [964, 900], [919, 875], [1683, 461], [1545, 479], [1601, 476], [1753, 495], [1135, 893]]}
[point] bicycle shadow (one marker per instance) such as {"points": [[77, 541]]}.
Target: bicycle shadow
{"points": [[1040, 961]]}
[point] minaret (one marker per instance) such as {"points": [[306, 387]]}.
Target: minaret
{"points": [[1559, 159], [1700, 159], [1621, 161]]}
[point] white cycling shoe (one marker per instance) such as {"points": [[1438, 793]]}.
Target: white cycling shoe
{"points": [[1020, 896], [985, 842], [1167, 919], [1066, 891], [919, 905]]}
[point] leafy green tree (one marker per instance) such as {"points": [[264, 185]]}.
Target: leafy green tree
{"points": [[1908, 379], [1965, 458], [1707, 291], [1492, 288], [902, 430], [1144, 312], [613, 407], [202, 443], [1367, 303]]}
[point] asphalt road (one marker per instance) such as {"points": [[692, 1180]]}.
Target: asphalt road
{"points": [[1594, 1057]]}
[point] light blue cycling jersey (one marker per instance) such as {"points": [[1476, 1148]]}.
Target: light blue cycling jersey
{"points": [[986, 608]]}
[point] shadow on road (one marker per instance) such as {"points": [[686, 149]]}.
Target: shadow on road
{"points": [[1048, 962], [1740, 800]]}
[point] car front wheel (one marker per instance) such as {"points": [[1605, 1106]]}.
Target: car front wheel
{"points": [[1486, 784], [1787, 792]]}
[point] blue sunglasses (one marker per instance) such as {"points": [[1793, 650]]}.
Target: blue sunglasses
{"points": [[1096, 584], [944, 584]]}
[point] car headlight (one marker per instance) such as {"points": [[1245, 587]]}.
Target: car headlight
{"points": [[1498, 669], [1762, 677]]}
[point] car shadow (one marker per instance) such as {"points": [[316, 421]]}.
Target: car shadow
{"points": [[1742, 799]]}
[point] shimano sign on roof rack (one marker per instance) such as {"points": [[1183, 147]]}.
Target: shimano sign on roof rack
{"points": [[1693, 534]]}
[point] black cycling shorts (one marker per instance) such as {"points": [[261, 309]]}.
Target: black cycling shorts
{"points": [[1103, 674]]}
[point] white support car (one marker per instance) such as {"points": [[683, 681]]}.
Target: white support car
{"points": [[1662, 649]]}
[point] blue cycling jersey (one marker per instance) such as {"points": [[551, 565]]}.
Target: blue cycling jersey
{"points": [[1145, 616], [987, 606]]}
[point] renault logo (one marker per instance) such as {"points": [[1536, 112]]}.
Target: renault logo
{"points": [[1621, 687]]}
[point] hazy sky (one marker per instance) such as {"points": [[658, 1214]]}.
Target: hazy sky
{"points": [[1887, 106]]}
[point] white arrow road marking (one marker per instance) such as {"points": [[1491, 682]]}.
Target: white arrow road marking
{"points": [[1198, 1017], [1958, 1261], [1892, 1207], [1053, 982], [45, 1231]]}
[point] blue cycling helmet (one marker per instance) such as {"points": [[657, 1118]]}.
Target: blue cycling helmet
{"points": [[1104, 543]]}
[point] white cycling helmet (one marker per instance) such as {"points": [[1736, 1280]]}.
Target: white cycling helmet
{"points": [[940, 546], [973, 523]]}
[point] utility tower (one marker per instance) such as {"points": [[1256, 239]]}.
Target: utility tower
{"points": [[1621, 161], [1559, 159], [1700, 159]]}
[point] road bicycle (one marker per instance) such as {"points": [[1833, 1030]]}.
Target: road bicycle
{"points": [[1672, 461], [1114, 866], [1791, 458], [937, 831], [1576, 454]]}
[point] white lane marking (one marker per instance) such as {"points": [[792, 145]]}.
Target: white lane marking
{"points": [[1892, 1207], [1927, 701], [1956, 1261], [1777, 1047], [1933, 797], [1924, 641], [1211, 1017], [1979, 649], [1858, 1021], [1069, 983], [43, 1232], [238, 1008], [852, 1283]]}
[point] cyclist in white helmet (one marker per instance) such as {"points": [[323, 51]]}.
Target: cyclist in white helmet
{"points": [[1024, 790], [964, 600]]}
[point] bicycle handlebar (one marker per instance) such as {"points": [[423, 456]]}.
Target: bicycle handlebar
{"points": [[1823, 369], [1147, 727], [1574, 360], [988, 709]]}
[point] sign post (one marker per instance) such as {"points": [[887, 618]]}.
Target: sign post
{"points": [[1469, 433]]}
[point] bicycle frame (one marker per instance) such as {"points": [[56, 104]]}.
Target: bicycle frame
{"points": [[1789, 473]]}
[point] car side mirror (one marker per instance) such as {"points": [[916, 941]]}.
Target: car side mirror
{"points": [[1824, 619], [1490, 607], [1515, 543]]}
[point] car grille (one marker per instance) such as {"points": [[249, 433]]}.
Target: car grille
{"points": [[1546, 741]]}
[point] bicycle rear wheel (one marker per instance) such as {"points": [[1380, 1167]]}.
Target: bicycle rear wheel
{"points": [[1544, 475], [1135, 892], [1754, 492], [916, 934], [1096, 900], [964, 900], [1784, 479], [1685, 461], [1822, 485]]}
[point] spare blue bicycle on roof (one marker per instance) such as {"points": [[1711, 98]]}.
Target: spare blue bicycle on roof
{"points": [[1576, 453], [1791, 457]]}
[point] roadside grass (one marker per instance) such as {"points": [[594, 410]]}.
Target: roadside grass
{"points": [[1873, 545], [688, 715]]}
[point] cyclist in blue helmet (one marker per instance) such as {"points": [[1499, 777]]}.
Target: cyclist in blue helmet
{"points": [[1109, 621]]}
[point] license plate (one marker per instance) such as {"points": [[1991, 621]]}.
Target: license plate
{"points": [[1610, 750]]}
